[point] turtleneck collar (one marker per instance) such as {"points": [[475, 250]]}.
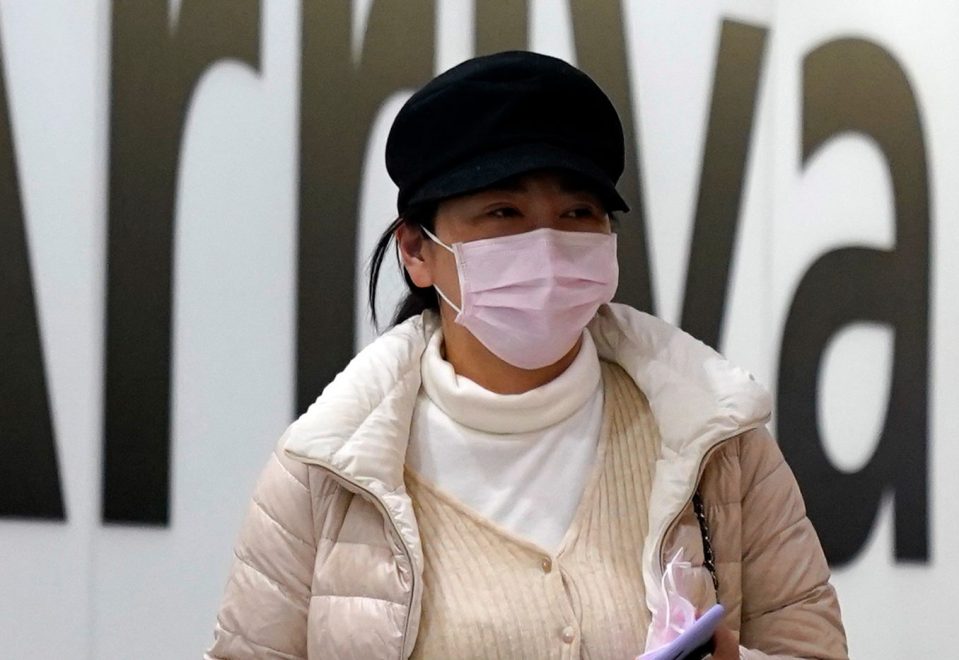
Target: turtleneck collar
{"points": [[473, 406]]}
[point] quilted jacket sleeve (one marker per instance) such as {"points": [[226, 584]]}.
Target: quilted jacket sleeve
{"points": [[789, 607], [264, 609]]}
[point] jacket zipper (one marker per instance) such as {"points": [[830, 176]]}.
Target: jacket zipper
{"points": [[689, 497], [370, 496]]}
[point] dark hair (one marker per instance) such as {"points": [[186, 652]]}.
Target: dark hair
{"points": [[419, 299]]}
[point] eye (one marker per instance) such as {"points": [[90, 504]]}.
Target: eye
{"points": [[504, 212], [585, 211]]}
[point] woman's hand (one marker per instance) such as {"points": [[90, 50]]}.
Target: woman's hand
{"points": [[725, 645]]}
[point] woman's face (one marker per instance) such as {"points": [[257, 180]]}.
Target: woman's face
{"points": [[535, 201]]}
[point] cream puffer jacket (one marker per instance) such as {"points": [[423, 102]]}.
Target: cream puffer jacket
{"points": [[328, 563]]}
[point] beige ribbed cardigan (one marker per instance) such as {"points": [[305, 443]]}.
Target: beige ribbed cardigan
{"points": [[491, 594]]}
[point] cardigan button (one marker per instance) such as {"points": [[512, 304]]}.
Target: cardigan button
{"points": [[547, 564], [568, 635]]}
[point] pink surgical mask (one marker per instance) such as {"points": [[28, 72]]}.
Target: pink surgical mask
{"points": [[527, 297]]}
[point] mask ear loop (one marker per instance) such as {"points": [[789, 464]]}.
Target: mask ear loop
{"points": [[436, 240], [448, 301]]}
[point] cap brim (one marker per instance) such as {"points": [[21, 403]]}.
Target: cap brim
{"points": [[489, 168]]}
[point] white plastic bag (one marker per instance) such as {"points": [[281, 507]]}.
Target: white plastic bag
{"points": [[677, 613]]}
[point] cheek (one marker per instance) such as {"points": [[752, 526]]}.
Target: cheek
{"points": [[444, 274]]}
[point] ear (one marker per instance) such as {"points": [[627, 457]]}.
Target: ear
{"points": [[415, 254]]}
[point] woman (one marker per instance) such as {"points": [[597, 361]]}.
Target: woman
{"points": [[508, 470]]}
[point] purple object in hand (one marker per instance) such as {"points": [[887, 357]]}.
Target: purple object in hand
{"points": [[692, 639]]}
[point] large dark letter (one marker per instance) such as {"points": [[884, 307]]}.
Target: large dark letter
{"points": [[721, 182], [855, 85], [29, 478], [601, 52], [339, 102], [153, 71]]}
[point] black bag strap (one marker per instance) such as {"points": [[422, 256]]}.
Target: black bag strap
{"points": [[709, 560]]}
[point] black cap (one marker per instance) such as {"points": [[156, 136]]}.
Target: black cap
{"points": [[501, 115]]}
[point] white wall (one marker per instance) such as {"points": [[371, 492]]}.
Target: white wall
{"points": [[79, 589]]}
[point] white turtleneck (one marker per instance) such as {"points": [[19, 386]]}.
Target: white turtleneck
{"points": [[521, 460]]}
